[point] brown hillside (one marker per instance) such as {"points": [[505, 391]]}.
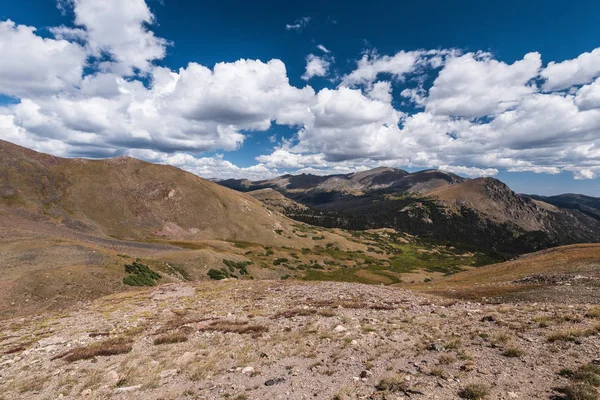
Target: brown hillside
{"points": [[561, 274], [69, 227], [128, 198]]}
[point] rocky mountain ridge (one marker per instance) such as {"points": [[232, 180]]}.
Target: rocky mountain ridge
{"points": [[435, 204]]}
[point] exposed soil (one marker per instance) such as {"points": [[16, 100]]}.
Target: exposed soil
{"points": [[293, 340]]}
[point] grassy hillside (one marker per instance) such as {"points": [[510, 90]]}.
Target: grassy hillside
{"points": [[562, 274]]}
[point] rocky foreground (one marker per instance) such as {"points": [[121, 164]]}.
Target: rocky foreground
{"points": [[290, 340]]}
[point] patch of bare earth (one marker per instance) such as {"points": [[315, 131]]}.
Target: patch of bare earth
{"points": [[295, 340]]}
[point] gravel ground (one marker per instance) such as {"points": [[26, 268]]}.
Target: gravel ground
{"points": [[293, 340]]}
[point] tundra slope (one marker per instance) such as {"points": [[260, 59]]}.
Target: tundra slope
{"points": [[294, 340]]}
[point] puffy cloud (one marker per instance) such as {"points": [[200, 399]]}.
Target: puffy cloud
{"points": [[207, 167], [34, 66], [248, 94], [418, 96], [581, 70], [382, 91], [585, 173], [282, 158], [588, 96], [298, 25], [476, 85], [118, 28], [372, 64], [194, 110], [316, 66]]}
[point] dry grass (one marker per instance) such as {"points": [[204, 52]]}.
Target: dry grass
{"points": [[593, 312], [446, 359], [571, 335], [16, 349], [295, 313], [512, 352], [496, 280], [584, 381], [579, 391], [240, 327], [474, 391], [177, 337], [392, 384], [106, 348]]}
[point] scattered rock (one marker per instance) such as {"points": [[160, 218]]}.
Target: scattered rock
{"points": [[275, 381]]}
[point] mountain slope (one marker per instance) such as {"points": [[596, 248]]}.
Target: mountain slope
{"points": [[585, 204], [562, 274], [483, 212], [128, 198], [382, 178], [70, 226]]}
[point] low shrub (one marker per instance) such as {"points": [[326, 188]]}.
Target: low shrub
{"points": [[474, 391], [140, 275], [171, 338], [105, 348]]}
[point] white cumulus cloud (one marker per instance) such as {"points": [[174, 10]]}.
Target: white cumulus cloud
{"points": [[476, 85], [316, 66], [580, 70], [33, 66]]}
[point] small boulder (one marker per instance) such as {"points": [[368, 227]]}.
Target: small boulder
{"points": [[276, 381], [247, 370], [128, 389], [168, 373], [435, 347], [111, 377]]}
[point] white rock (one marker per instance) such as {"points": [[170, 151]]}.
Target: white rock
{"points": [[339, 328], [513, 395], [185, 358], [248, 370], [167, 373], [128, 389], [112, 377]]}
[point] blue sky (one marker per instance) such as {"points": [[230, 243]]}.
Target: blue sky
{"points": [[484, 99]]}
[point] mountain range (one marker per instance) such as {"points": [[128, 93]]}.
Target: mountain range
{"points": [[439, 205], [77, 229]]}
